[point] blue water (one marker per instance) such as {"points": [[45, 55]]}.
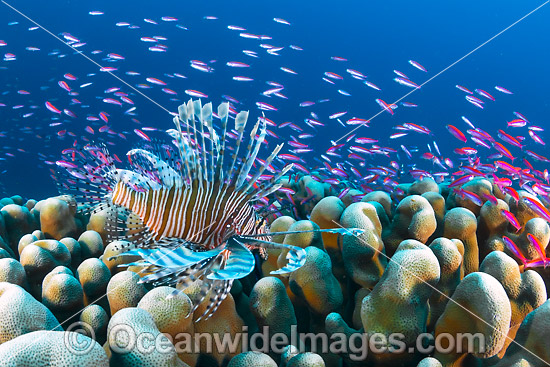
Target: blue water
{"points": [[376, 38]]}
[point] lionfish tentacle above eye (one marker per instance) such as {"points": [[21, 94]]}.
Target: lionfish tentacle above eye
{"points": [[189, 212]]}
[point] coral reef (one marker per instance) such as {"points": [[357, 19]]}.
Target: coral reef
{"points": [[430, 263], [49, 348]]}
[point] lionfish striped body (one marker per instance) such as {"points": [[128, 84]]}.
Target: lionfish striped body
{"points": [[182, 212]]}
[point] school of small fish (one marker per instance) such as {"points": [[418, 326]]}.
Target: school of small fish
{"points": [[74, 107]]}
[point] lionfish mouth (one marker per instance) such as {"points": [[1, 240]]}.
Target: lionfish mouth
{"points": [[175, 203]]}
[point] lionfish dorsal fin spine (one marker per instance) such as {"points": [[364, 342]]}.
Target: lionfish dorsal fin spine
{"points": [[197, 167], [270, 186], [186, 154], [223, 113], [207, 117], [252, 153], [191, 159], [191, 133], [178, 136], [199, 113], [240, 123], [182, 111], [264, 166]]}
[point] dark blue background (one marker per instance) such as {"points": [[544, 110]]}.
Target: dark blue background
{"points": [[376, 37]]}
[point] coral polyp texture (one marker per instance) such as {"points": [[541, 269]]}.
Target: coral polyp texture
{"points": [[425, 266]]}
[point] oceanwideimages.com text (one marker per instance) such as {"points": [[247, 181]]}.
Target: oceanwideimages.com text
{"points": [[357, 346]]}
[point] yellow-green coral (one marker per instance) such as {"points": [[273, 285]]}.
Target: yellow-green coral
{"points": [[461, 223], [138, 322], [21, 313], [315, 284], [526, 291], [414, 218], [124, 290], [94, 276], [364, 255], [403, 290], [478, 305], [51, 348]]}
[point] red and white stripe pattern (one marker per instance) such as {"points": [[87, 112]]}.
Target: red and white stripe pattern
{"points": [[204, 214]]}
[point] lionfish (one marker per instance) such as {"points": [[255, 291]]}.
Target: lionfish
{"points": [[186, 216]]}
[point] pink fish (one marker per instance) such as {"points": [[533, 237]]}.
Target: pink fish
{"points": [[473, 197], [384, 106], [288, 70], [456, 133], [69, 113], [511, 219], [483, 93], [155, 81], [237, 64], [536, 138], [520, 116], [417, 65], [195, 93], [464, 89], [510, 245], [66, 164], [365, 140], [503, 90], [538, 157], [537, 207], [372, 85], [332, 75], [242, 78], [64, 85], [142, 135], [512, 192], [52, 108], [502, 150], [517, 123], [112, 101], [490, 198], [461, 181], [406, 82], [265, 106], [417, 128], [538, 247], [509, 139]]}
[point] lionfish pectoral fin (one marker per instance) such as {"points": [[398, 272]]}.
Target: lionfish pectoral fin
{"points": [[239, 264], [122, 224], [88, 176], [173, 267], [174, 242], [180, 257], [342, 231], [296, 256], [181, 278], [218, 292]]}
